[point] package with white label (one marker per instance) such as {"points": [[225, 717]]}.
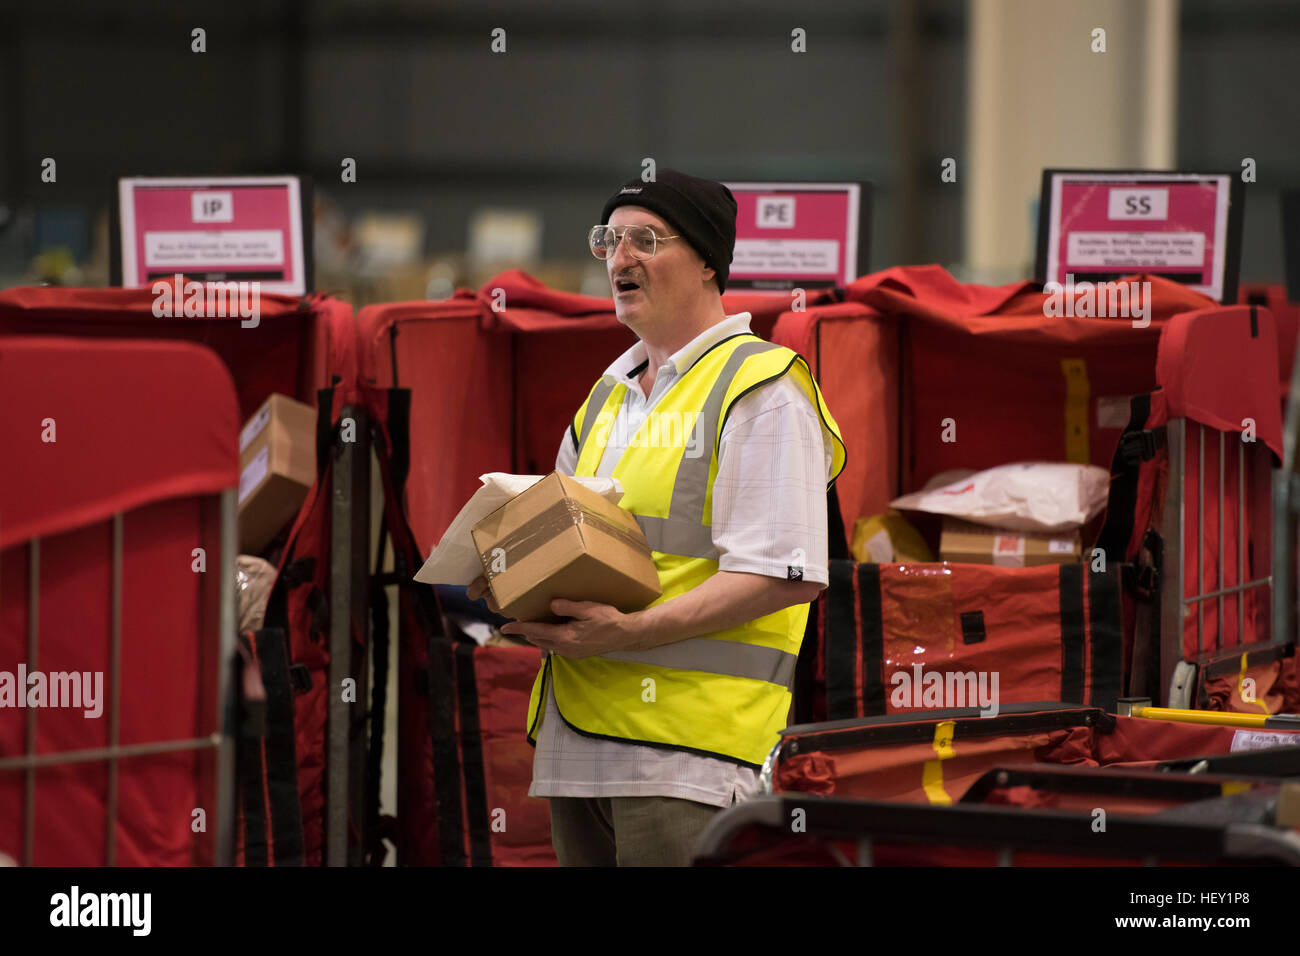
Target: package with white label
{"points": [[1026, 496], [536, 539]]}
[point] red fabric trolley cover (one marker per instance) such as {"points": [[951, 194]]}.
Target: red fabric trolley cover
{"points": [[1019, 380], [496, 377], [96, 428], [1207, 370], [296, 346], [935, 759], [895, 638], [103, 427], [1209, 364], [1286, 315]]}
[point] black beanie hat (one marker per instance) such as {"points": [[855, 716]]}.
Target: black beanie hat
{"points": [[701, 211]]}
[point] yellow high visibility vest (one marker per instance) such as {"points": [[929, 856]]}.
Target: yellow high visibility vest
{"points": [[723, 694]]}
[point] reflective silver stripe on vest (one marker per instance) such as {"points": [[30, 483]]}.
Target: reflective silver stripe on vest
{"points": [[670, 536], [730, 658], [684, 532], [595, 403]]}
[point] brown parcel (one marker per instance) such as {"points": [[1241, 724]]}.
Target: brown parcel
{"points": [[277, 466], [559, 539], [970, 543]]}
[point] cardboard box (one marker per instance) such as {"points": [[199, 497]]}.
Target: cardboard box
{"points": [[970, 543], [277, 466], [561, 540]]}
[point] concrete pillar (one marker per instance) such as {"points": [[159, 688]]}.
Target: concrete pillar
{"points": [[1039, 97]]}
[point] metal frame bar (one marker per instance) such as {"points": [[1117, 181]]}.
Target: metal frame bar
{"points": [[115, 695], [1200, 540], [1283, 551], [1102, 781], [1220, 535], [1285, 495], [1283, 761], [866, 854], [1175, 602], [33, 662], [121, 751], [1241, 540], [1255, 654], [1006, 829], [224, 834], [340, 643], [1259, 474], [1173, 528], [346, 740], [1247, 586], [359, 598], [220, 740], [888, 729]]}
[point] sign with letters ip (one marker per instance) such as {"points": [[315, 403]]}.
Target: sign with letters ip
{"points": [[1095, 226], [220, 229], [798, 235]]}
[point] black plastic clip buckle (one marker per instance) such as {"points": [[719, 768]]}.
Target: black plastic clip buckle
{"points": [[1147, 583], [1140, 446], [299, 678]]}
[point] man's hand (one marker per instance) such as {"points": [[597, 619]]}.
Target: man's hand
{"points": [[725, 600], [480, 589], [594, 629]]}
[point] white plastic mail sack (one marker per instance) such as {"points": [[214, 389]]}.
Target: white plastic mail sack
{"points": [[455, 560], [1026, 496]]}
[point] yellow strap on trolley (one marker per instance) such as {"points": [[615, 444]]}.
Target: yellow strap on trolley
{"points": [[1078, 399], [1241, 685], [1234, 786], [932, 772], [1221, 718]]}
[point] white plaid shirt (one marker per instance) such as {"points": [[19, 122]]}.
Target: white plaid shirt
{"points": [[769, 498]]}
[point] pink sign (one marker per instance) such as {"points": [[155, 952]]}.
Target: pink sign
{"points": [[222, 229], [795, 235], [1102, 226]]}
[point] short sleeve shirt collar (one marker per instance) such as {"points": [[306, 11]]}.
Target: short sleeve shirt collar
{"points": [[627, 368]]}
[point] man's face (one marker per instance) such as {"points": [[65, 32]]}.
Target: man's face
{"points": [[652, 291]]}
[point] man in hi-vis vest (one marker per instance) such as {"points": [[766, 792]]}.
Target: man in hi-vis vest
{"points": [[646, 723]]}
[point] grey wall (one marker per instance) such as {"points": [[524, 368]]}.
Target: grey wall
{"points": [[1239, 96], [440, 125]]}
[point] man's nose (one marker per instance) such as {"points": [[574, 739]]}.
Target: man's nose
{"points": [[622, 258]]}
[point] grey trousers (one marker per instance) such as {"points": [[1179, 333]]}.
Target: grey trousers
{"points": [[627, 831]]}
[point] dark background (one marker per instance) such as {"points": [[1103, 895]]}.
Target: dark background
{"points": [[441, 127]]}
